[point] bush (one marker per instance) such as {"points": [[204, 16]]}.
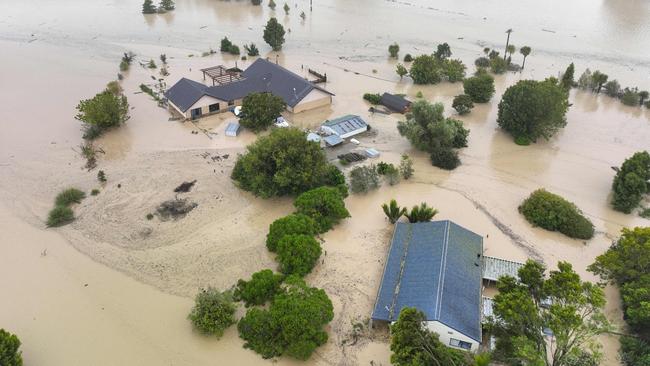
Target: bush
{"points": [[260, 110], [408, 57], [425, 70], [480, 87], [101, 176], [274, 33], [421, 213], [260, 289], [533, 109], [9, 353], [212, 312], [630, 97], [498, 65], [406, 167], [427, 128], [324, 204], [226, 44], [393, 50], [462, 104], [293, 324], [482, 62], [297, 254], [251, 50], [94, 192], [612, 88], [522, 140], [282, 163], [634, 352], [59, 216], [631, 182], [105, 110], [69, 196], [364, 179], [149, 216], [372, 98], [453, 70], [444, 158], [289, 225], [554, 213]]}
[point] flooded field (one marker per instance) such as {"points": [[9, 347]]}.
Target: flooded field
{"points": [[113, 280]]}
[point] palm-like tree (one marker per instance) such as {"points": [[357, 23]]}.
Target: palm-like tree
{"points": [[599, 80], [511, 49], [505, 55], [525, 50], [421, 213], [393, 211]]}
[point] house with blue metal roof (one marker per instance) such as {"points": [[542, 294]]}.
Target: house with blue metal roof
{"points": [[435, 267]]}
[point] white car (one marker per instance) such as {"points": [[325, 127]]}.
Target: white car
{"points": [[237, 111], [280, 122]]}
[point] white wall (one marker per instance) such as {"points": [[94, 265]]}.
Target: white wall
{"points": [[316, 98], [446, 333]]}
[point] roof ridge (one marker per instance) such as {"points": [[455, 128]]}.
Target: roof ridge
{"points": [[443, 270]]}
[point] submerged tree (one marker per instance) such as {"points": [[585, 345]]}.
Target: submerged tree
{"points": [[393, 50], [260, 110], [148, 7], [298, 254], [406, 167], [167, 5], [272, 4], [289, 225], [401, 70], [561, 306], [462, 104], [286, 8], [507, 44], [274, 34], [105, 110], [567, 81], [480, 87], [425, 69], [599, 79], [525, 51], [631, 182], [393, 211], [443, 51], [324, 205]]}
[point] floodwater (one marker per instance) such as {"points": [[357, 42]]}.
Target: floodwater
{"points": [[55, 53]]}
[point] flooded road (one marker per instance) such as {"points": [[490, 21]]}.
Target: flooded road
{"points": [[142, 274]]}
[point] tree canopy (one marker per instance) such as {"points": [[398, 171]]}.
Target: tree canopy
{"points": [[533, 109], [105, 110], [261, 288], [260, 110], [297, 254], [480, 87], [274, 34], [413, 345], [324, 205], [292, 325], [631, 182], [213, 311], [9, 349], [292, 224], [284, 163], [554, 213], [425, 70], [462, 103]]}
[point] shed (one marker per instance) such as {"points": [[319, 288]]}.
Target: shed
{"points": [[493, 268], [346, 126], [372, 153], [395, 103], [233, 129], [313, 137], [333, 140], [436, 268]]}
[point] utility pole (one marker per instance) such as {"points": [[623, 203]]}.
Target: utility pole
{"points": [[507, 42], [310, 5]]}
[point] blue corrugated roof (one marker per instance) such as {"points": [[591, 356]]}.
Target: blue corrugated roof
{"points": [[436, 268], [346, 124]]}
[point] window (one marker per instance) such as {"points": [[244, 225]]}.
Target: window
{"points": [[231, 102], [214, 107], [460, 344]]}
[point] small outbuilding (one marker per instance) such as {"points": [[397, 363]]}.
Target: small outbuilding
{"points": [[395, 103], [333, 140], [233, 129], [346, 126], [313, 137]]}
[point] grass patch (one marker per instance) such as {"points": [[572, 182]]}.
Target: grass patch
{"points": [[69, 196], [59, 216]]}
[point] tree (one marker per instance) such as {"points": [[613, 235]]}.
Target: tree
{"points": [[498, 65], [573, 316], [373, 98], [251, 50], [256, 2], [408, 57], [274, 33], [401, 70], [297, 254], [453, 70], [634, 352], [148, 7], [462, 104], [364, 179], [510, 50], [283, 163], [260, 110], [443, 51], [406, 167], [9, 353], [444, 158], [507, 44], [272, 4], [163, 58], [480, 87], [482, 62], [567, 81], [105, 110], [167, 5], [226, 45], [286, 8], [421, 213], [643, 95], [289, 225], [412, 344], [393, 211], [393, 50], [586, 80], [261, 288], [630, 97], [612, 88], [599, 79], [532, 109], [554, 213], [631, 182], [324, 204], [212, 312], [152, 64], [525, 51], [425, 70], [293, 324]]}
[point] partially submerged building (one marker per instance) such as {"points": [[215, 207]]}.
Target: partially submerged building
{"points": [[193, 99], [435, 267], [344, 127], [395, 103]]}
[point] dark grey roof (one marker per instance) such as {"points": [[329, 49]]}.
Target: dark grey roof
{"points": [[346, 124], [436, 268], [185, 93], [395, 103]]}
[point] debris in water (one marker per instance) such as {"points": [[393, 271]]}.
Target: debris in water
{"points": [[185, 187], [175, 209]]}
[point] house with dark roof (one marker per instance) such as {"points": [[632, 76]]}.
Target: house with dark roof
{"points": [[346, 126], [395, 103], [436, 268], [193, 99]]}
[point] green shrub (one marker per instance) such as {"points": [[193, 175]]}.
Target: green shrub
{"points": [[69, 196], [297, 254], [425, 70], [9, 349], [105, 110], [393, 50], [408, 57], [324, 204], [630, 97], [453, 70], [645, 213], [630, 182], [554, 213], [421, 213], [482, 62], [634, 352], [213, 311], [101, 176], [59, 216], [522, 140], [480, 87], [364, 179], [289, 225], [149, 216], [94, 192], [372, 98], [445, 158], [406, 167], [261, 288], [498, 65], [463, 104], [225, 45]]}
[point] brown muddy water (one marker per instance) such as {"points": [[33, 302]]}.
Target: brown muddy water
{"points": [[141, 275]]}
